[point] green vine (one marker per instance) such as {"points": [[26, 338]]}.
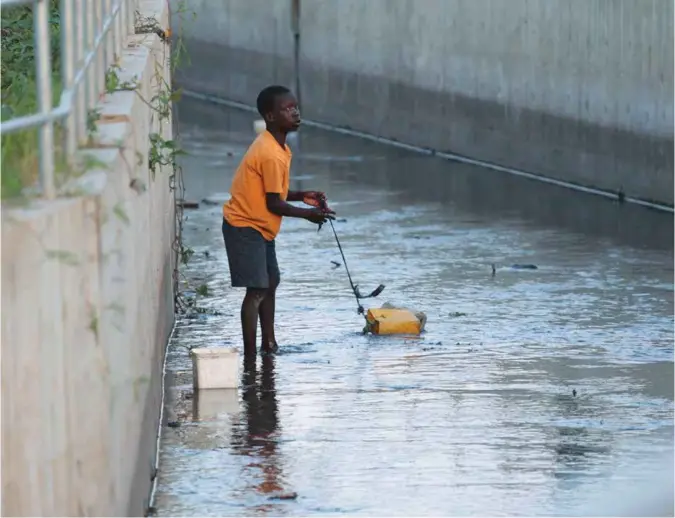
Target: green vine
{"points": [[93, 116], [162, 153], [166, 152]]}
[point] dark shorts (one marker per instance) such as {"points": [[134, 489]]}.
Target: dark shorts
{"points": [[252, 259]]}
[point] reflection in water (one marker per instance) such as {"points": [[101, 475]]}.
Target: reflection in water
{"points": [[581, 446], [257, 436]]}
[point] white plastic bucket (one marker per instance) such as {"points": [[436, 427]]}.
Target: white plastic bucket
{"points": [[215, 368], [259, 126]]}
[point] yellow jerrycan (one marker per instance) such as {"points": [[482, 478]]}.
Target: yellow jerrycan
{"points": [[390, 320]]}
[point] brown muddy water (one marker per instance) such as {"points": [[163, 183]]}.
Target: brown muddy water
{"points": [[533, 392]]}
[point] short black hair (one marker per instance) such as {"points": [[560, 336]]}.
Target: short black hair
{"points": [[267, 96]]}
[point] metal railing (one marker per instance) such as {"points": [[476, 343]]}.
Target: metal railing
{"points": [[93, 33]]}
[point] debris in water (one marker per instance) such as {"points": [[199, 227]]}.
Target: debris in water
{"points": [[341, 220], [284, 496], [188, 204], [173, 424], [574, 392], [516, 267], [457, 314], [206, 253], [335, 264], [216, 199]]}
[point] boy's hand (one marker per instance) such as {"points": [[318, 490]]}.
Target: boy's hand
{"points": [[319, 216], [315, 199]]}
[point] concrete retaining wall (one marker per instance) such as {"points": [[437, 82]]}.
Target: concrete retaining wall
{"points": [[577, 90], [87, 309]]}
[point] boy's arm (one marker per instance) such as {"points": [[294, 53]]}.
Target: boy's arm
{"points": [[278, 206], [314, 198], [272, 175], [281, 208], [295, 196]]}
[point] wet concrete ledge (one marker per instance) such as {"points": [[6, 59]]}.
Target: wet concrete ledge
{"points": [[626, 163]]}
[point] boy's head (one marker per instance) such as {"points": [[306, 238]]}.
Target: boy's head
{"points": [[278, 106]]}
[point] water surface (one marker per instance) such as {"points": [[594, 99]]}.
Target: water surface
{"points": [[533, 392]]}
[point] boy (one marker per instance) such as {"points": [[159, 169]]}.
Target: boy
{"points": [[252, 216]]}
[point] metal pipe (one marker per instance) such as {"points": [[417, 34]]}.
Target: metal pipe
{"points": [[44, 93], [30, 121], [295, 23]]}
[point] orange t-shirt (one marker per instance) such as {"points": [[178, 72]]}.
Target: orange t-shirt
{"points": [[265, 168]]}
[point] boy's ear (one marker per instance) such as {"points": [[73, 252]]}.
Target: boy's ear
{"points": [[269, 117]]}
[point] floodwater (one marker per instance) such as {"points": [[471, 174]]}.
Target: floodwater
{"points": [[532, 392]]}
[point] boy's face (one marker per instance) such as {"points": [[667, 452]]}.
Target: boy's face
{"points": [[286, 114]]}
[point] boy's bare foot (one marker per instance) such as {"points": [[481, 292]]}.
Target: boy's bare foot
{"points": [[271, 348]]}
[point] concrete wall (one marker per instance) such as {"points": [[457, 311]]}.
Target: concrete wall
{"points": [[579, 90], [87, 308]]}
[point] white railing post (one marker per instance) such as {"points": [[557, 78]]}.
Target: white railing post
{"points": [[131, 15], [117, 29], [68, 74], [90, 74], [79, 95], [99, 55], [43, 68]]}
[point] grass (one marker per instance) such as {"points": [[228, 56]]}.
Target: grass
{"points": [[20, 152]]}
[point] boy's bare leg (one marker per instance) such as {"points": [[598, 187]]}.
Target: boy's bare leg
{"points": [[266, 312], [249, 318]]}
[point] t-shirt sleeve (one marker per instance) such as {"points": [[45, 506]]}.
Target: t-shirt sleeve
{"points": [[273, 172]]}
